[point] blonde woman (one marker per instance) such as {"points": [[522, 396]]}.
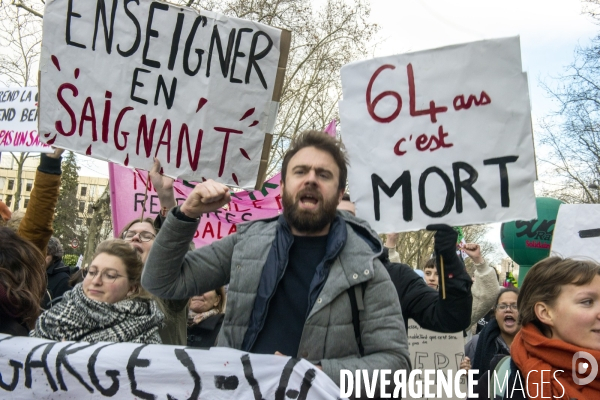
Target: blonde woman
{"points": [[109, 305]]}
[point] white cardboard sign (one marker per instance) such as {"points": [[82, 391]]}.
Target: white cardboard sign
{"points": [[431, 350], [18, 120], [33, 368], [128, 81], [577, 232], [440, 136]]}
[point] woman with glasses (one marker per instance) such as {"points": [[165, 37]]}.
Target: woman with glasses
{"points": [[140, 235], [497, 336], [109, 305]]}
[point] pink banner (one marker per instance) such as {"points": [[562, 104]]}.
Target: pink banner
{"points": [[127, 188]]}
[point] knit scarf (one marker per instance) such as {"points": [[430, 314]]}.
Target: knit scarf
{"points": [[196, 318], [80, 318], [532, 352]]}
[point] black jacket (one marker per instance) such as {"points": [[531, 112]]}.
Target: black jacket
{"points": [[424, 304], [204, 334], [58, 283]]}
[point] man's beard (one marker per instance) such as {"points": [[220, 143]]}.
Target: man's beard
{"points": [[308, 221]]}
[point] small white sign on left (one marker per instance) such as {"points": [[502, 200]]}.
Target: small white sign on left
{"points": [[19, 119]]}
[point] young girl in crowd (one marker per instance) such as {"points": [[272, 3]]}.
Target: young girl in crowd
{"points": [[109, 305]]}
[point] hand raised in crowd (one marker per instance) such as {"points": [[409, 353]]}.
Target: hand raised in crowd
{"points": [[391, 239], [445, 239], [206, 197], [474, 251], [57, 152], [163, 185]]}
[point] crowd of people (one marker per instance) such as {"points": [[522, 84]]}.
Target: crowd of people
{"points": [[315, 282]]}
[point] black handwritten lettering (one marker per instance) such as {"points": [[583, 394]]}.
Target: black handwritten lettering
{"points": [[108, 31], [187, 362], [175, 41], [504, 187], [253, 57], [466, 184], [61, 359], [138, 31], [71, 14], [249, 374], [448, 202], [43, 363], [112, 374], [404, 182], [226, 382], [188, 47], [285, 378], [134, 362], [237, 53], [135, 82], [150, 33], [170, 96], [223, 60], [15, 378], [309, 377]]}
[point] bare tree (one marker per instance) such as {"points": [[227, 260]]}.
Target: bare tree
{"points": [[322, 41], [20, 36], [572, 133]]}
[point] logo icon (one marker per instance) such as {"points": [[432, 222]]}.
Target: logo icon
{"points": [[583, 367]]}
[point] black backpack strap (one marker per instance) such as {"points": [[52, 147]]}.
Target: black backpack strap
{"points": [[357, 294]]}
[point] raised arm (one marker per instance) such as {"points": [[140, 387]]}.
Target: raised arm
{"points": [[36, 225], [486, 287], [171, 272]]}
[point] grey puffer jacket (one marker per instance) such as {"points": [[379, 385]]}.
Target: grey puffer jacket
{"points": [[328, 335]]}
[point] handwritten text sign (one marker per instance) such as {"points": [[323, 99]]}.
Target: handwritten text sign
{"points": [[34, 369], [18, 120], [431, 350], [440, 136], [127, 190], [127, 81], [577, 232]]}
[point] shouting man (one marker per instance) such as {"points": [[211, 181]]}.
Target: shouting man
{"points": [[297, 281]]}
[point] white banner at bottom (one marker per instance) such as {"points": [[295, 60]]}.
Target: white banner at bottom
{"points": [[33, 368]]}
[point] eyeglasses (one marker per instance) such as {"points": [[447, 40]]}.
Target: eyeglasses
{"points": [[144, 236], [107, 275], [504, 307]]}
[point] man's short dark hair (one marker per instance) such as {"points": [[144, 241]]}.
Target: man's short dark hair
{"points": [[346, 197], [322, 141]]}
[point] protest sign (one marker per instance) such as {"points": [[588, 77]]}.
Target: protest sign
{"points": [[128, 189], [440, 136], [18, 120], [35, 368], [577, 232], [431, 350], [130, 81]]}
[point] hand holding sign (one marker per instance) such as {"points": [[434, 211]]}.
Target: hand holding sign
{"points": [[206, 197]]}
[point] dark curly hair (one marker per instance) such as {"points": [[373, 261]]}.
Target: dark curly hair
{"points": [[23, 278]]}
